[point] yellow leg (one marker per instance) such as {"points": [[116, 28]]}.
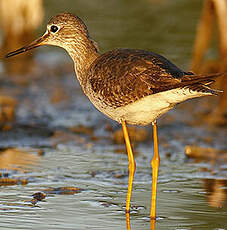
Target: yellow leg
{"points": [[131, 165], [152, 224], [155, 167], [128, 227], [128, 221]]}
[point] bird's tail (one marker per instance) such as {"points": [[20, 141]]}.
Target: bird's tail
{"points": [[198, 87], [200, 83]]}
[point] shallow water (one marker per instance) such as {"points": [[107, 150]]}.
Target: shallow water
{"points": [[191, 193]]}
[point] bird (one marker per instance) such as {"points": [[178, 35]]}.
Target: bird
{"points": [[130, 86]]}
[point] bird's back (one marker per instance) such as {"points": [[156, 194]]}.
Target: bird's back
{"points": [[122, 76]]}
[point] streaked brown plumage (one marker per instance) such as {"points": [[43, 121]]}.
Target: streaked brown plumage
{"points": [[133, 74], [128, 85]]}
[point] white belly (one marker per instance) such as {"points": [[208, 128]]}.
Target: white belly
{"points": [[149, 108]]}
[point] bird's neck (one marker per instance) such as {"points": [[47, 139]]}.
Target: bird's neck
{"points": [[83, 55]]}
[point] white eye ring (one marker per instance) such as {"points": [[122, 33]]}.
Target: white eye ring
{"points": [[54, 29]]}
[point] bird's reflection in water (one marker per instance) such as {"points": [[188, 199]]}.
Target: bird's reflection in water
{"points": [[152, 224], [128, 221], [128, 227]]}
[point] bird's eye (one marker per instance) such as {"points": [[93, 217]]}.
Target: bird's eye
{"points": [[54, 29]]}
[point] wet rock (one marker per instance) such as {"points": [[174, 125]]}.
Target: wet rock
{"points": [[136, 135], [63, 190], [198, 152], [11, 181], [38, 196], [120, 176], [34, 201], [168, 155], [107, 204]]}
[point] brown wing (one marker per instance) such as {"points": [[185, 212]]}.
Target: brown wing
{"points": [[122, 76]]}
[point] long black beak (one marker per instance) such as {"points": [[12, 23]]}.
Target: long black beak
{"points": [[34, 44]]}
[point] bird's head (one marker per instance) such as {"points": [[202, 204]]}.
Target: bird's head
{"points": [[64, 30]]}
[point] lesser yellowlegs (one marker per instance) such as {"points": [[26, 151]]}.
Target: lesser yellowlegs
{"points": [[130, 86]]}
